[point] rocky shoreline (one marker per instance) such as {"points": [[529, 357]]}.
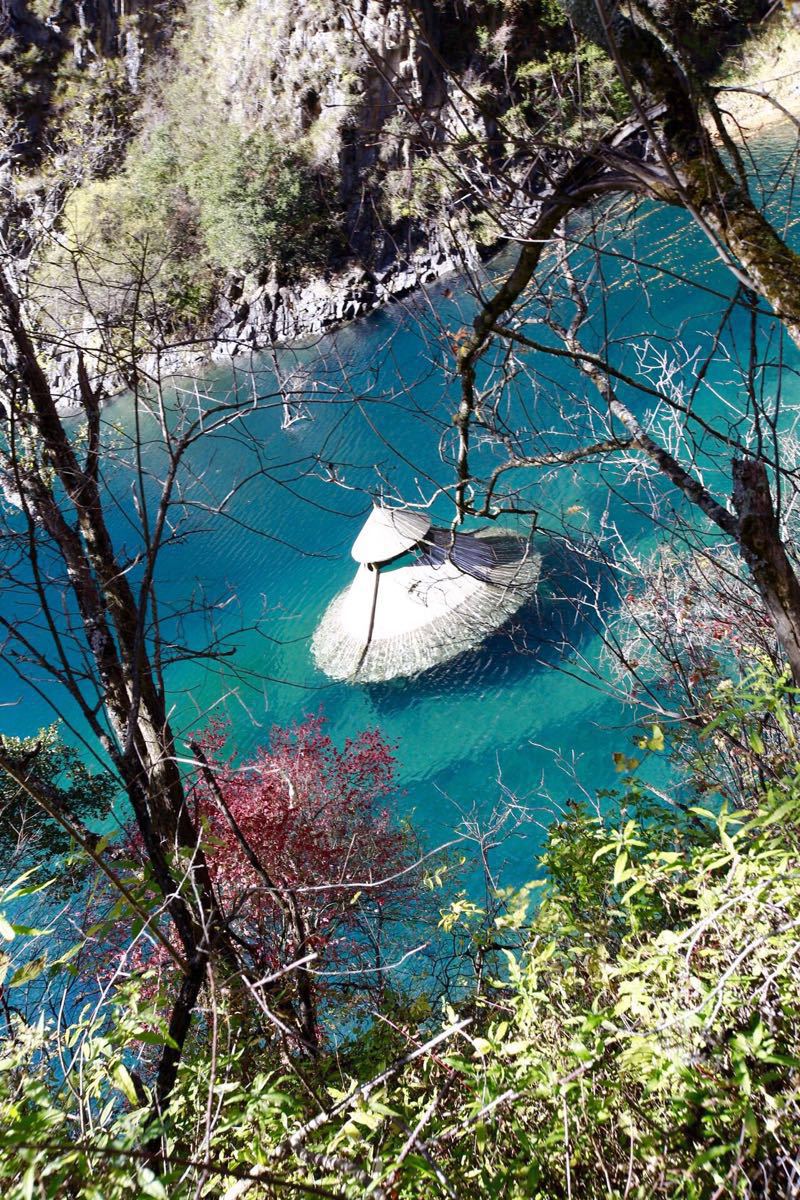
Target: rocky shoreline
{"points": [[257, 314]]}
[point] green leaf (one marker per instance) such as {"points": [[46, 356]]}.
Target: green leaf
{"points": [[756, 744], [31, 890], [712, 1153], [727, 841], [28, 971], [656, 740], [28, 1183], [122, 1079], [149, 1185], [67, 955], [620, 868], [636, 887]]}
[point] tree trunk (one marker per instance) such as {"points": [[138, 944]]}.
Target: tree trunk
{"points": [[771, 266], [694, 174], [142, 748], [766, 556]]}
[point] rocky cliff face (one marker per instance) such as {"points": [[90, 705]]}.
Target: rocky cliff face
{"points": [[369, 87], [58, 57], [398, 106]]}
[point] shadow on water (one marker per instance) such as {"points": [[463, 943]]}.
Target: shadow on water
{"points": [[559, 619]]}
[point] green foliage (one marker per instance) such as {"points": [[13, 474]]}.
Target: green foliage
{"points": [[419, 192], [647, 1042], [193, 203], [552, 14], [256, 203], [580, 91], [92, 111], [101, 1047], [26, 832], [64, 119], [659, 1030], [642, 1040]]}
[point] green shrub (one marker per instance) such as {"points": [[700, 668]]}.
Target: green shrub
{"points": [[643, 1040], [256, 202], [580, 91], [191, 206], [647, 1041]]}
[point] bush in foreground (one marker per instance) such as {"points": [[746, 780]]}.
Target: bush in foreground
{"points": [[645, 1041]]}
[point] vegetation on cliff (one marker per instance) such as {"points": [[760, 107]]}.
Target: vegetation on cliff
{"points": [[279, 140], [193, 206]]}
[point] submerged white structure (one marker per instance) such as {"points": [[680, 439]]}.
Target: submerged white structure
{"points": [[400, 617]]}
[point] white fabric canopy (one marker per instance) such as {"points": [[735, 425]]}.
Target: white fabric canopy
{"points": [[402, 620], [388, 532]]}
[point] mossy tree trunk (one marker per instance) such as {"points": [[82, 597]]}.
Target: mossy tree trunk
{"points": [[691, 173], [765, 553]]}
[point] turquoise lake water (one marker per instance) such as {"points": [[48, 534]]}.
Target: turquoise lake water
{"points": [[496, 719]]}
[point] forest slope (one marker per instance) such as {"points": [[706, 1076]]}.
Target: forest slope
{"points": [[290, 165]]}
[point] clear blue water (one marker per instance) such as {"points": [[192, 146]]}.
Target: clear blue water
{"points": [[380, 399]]}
